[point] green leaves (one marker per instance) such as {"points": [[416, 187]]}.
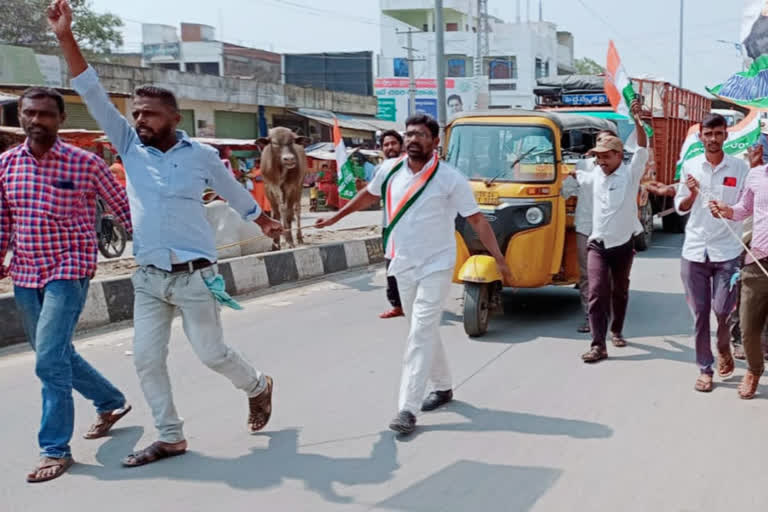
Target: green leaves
{"points": [[24, 23]]}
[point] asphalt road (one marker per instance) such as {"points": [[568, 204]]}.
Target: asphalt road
{"points": [[532, 428]]}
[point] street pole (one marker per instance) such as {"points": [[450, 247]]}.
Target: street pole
{"points": [[411, 71], [440, 55], [411, 77], [682, 24]]}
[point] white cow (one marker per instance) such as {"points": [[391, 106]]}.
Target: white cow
{"points": [[230, 228]]}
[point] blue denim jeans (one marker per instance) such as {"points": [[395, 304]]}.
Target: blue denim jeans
{"points": [[50, 315]]}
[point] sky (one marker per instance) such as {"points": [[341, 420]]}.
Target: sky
{"points": [[646, 33]]}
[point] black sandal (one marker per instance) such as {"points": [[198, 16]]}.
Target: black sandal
{"points": [[152, 453]]}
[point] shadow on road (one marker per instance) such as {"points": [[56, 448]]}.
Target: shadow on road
{"points": [[262, 468], [555, 312], [490, 420], [362, 283], [468, 485]]}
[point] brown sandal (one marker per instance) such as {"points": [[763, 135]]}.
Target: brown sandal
{"points": [[704, 383], [61, 465], [105, 422], [748, 386], [152, 453], [618, 340], [260, 408]]}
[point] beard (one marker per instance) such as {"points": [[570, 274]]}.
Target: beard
{"points": [[150, 137], [40, 134]]}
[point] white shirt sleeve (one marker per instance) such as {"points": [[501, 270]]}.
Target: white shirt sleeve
{"points": [[570, 187], [374, 186], [682, 191], [462, 198], [637, 166]]}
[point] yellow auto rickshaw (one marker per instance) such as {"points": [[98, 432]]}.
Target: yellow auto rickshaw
{"points": [[516, 161]]}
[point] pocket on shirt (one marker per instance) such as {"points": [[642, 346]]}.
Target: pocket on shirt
{"points": [[60, 203]]}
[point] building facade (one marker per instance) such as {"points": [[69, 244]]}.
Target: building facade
{"points": [[519, 52]]}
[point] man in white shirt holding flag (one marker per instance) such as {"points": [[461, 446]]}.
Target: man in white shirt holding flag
{"points": [[422, 196], [710, 256], [579, 184], [611, 244]]}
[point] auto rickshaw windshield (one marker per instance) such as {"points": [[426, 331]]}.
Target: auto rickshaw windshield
{"points": [[484, 152]]}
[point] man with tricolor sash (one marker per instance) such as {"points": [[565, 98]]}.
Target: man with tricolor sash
{"points": [[422, 197]]}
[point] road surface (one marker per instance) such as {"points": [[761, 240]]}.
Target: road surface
{"points": [[532, 428]]}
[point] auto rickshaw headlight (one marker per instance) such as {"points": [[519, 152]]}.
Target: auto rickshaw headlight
{"points": [[534, 215]]}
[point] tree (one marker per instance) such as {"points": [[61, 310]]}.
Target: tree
{"points": [[24, 23], [587, 66]]}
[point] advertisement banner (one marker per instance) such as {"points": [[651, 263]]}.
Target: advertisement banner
{"points": [[461, 95]]}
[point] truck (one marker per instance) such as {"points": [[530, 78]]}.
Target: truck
{"points": [[669, 110]]}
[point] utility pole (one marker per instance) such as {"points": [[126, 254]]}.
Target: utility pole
{"points": [[411, 73], [483, 48], [682, 24], [440, 54]]}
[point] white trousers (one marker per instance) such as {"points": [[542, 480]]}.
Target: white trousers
{"points": [[158, 295], [425, 358]]}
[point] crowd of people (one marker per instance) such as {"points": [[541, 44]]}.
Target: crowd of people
{"points": [[720, 274], [47, 201]]}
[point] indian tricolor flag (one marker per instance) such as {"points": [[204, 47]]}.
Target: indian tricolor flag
{"points": [[741, 137], [347, 188], [618, 86]]}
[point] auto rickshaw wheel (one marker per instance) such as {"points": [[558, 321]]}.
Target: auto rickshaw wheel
{"points": [[477, 308]]}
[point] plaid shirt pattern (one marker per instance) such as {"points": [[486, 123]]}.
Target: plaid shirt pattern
{"points": [[48, 213]]}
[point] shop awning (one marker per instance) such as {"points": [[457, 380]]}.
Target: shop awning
{"points": [[359, 123]]}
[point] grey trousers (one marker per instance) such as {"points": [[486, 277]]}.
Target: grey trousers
{"points": [[158, 295]]}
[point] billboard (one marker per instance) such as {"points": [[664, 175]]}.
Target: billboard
{"points": [[461, 95]]}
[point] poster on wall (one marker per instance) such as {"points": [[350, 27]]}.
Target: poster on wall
{"points": [[461, 96], [400, 67]]}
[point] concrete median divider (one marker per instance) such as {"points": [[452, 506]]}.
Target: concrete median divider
{"points": [[111, 300]]}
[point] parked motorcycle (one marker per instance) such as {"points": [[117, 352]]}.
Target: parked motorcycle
{"points": [[112, 235]]}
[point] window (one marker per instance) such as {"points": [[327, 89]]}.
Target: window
{"points": [[542, 68], [425, 28], [456, 67], [451, 27], [503, 87], [206, 68], [501, 67], [483, 151]]}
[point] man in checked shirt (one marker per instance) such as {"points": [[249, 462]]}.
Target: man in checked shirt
{"points": [[48, 195], [754, 279], [173, 243]]}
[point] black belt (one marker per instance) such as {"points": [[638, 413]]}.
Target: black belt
{"points": [[191, 266]]}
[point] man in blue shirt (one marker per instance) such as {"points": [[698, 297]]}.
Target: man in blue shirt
{"points": [[173, 243]]}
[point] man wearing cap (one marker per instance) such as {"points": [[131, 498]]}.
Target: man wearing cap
{"points": [[614, 224], [579, 185]]}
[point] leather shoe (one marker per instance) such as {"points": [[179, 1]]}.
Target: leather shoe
{"points": [[436, 399], [404, 423]]}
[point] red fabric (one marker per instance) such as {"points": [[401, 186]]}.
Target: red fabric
{"points": [[48, 206], [118, 171], [729, 181], [327, 184]]}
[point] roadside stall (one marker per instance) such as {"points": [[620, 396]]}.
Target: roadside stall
{"points": [[323, 172], [243, 156]]}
